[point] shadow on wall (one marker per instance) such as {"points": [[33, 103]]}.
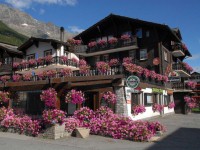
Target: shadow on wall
{"points": [[181, 139]]}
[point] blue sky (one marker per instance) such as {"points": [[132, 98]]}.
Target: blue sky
{"points": [[77, 15]]}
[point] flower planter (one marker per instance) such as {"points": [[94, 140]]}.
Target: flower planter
{"points": [[82, 132], [54, 132]]}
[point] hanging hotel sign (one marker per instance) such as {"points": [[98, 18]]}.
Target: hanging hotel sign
{"points": [[132, 81], [155, 90], [174, 76]]}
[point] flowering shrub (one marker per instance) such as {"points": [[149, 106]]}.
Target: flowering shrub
{"points": [[157, 107], [191, 84], [75, 97], [64, 59], [171, 105], [102, 66], [3, 112], [4, 97], [49, 97], [66, 72], [191, 102], [138, 109], [5, 78], [84, 69], [125, 37], [109, 97], [16, 65], [113, 62], [82, 62], [187, 67], [53, 116], [27, 77], [112, 40], [71, 123], [48, 58], [92, 44], [16, 78]]}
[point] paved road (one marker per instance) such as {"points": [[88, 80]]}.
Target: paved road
{"points": [[183, 134]]}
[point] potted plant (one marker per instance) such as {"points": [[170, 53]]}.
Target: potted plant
{"points": [[138, 109], [75, 97], [113, 42]]}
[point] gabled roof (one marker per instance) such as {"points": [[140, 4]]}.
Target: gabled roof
{"points": [[131, 20], [10, 48], [35, 40]]}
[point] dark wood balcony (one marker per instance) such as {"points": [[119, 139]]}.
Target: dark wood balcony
{"points": [[178, 50], [180, 68]]}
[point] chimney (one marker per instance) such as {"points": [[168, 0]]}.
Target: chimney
{"points": [[62, 30]]}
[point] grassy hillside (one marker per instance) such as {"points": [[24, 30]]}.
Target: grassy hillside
{"points": [[10, 36]]}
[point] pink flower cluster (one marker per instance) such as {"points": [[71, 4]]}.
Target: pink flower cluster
{"points": [[71, 123], [102, 43], [22, 125], [125, 37], [4, 97], [110, 97], [191, 84], [104, 122], [113, 62], [102, 66], [171, 105], [92, 44], [138, 109], [53, 116], [191, 102], [75, 97], [27, 77], [112, 40], [16, 65], [127, 60], [32, 62], [157, 107], [16, 77], [46, 74], [49, 97], [5, 78], [48, 58], [74, 42], [64, 59], [84, 69], [187, 67], [82, 62], [66, 72]]}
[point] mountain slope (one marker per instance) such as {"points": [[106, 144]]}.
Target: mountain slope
{"points": [[27, 25], [9, 36]]}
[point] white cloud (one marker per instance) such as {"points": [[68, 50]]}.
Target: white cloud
{"points": [[42, 11], [25, 4], [196, 69], [75, 29]]}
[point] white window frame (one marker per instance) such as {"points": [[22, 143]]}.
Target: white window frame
{"points": [[143, 54]]}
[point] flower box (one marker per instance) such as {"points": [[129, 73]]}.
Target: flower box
{"points": [[55, 131], [82, 132]]}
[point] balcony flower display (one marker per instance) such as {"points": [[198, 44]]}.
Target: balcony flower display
{"points": [[75, 60], [24, 63], [4, 97], [102, 43], [112, 41], [82, 62], [171, 105], [127, 60], [153, 74], [159, 77], [5, 78], [49, 97], [191, 102], [113, 62], [132, 68], [41, 75], [157, 107], [102, 66], [32, 62], [146, 73], [139, 70], [138, 109], [27, 77], [191, 84], [110, 97], [75, 97], [50, 73], [16, 78], [74, 42], [40, 61], [64, 59], [165, 78], [66, 72], [92, 44], [84, 69], [16, 65], [53, 116], [187, 67], [125, 37], [48, 58]]}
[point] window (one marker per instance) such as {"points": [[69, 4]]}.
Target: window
{"points": [[165, 55], [147, 33], [47, 52], [148, 99], [135, 99], [106, 58], [143, 54], [8, 60], [97, 58], [139, 33], [31, 56], [132, 54], [166, 100]]}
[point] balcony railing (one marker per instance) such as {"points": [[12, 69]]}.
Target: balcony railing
{"points": [[180, 86], [107, 46], [179, 67], [178, 50]]}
